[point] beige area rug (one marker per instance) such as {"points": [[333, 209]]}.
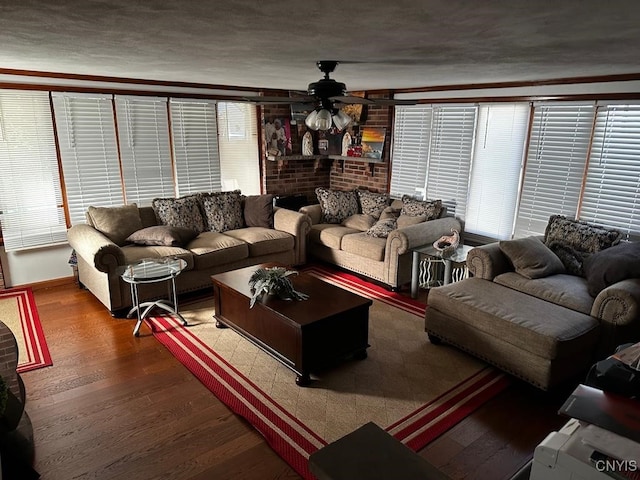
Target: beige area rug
{"points": [[413, 389], [19, 313]]}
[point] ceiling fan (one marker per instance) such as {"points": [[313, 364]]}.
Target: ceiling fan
{"points": [[328, 96]]}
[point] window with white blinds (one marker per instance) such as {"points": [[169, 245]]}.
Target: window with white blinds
{"points": [[556, 158], [450, 156], [238, 143], [31, 205], [195, 146], [143, 131], [612, 188], [496, 167], [89, 152], [410, 152]]}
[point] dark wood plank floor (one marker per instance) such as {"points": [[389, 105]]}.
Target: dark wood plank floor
{"points": [[114, 406]]}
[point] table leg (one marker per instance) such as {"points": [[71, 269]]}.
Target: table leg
{"points": [[447, 271], [415, 262]]}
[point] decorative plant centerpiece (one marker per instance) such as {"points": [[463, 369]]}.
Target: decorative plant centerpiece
{"points": [[447, 244], [274, 281]]}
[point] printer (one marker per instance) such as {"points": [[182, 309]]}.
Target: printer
{"points": [[585, 452]]}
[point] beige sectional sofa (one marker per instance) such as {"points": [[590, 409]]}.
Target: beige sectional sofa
{"points": [[543, 308], [374, 236], [212, 232]]}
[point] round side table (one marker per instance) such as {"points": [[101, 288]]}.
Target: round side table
{"points": [[153, 271]]}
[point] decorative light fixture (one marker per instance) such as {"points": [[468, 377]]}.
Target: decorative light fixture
{"points": [[322, 118]]}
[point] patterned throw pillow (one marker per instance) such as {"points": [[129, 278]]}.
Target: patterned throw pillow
{"points": [[336, 205], [179, 212], [382, 228], [222, 210], [574, 240], [414, 208], [372, 203]]}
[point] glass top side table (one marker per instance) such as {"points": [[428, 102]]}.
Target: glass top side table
{"points": [[421, 270], [153, 271]]}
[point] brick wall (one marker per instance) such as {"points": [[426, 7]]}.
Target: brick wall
{"points": [[303, 176]]}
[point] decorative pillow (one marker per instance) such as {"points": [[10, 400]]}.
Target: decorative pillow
{"points": [[163, 235], [531, 258], [612, 265], [574, 240], [222, 210], [390, 212], [414, 208], [406, 220], [336, 205], [359, 221], [116, 223], [372, 203], [258, 211], [382, 228], [179, 212]]}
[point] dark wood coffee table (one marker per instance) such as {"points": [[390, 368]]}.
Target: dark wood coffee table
{"points": [[307, 335]]}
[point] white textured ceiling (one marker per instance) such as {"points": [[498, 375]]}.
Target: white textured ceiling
{"points": [[275, 44]]}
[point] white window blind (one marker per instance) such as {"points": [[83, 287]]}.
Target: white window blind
{"points": [[238, 142], [143, 131], [30, 193], [195, 146], [612, 188], [89, 152], [411, 140], [556, 159], [450, 156], [495, 174]]}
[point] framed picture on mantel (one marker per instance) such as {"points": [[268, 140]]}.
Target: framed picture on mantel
{"points": [[372, 141]]}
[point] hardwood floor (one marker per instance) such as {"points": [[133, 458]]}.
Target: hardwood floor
{"points": [[114, 406]]}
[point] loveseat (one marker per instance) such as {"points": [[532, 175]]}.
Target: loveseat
{"points": [[371, 234], [543, 308], [212, 232]]}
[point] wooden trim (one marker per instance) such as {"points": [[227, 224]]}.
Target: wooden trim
{"points": [[534, 98], [627, 77]]}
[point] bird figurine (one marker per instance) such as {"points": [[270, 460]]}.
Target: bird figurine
{"points": [[447, 244]]}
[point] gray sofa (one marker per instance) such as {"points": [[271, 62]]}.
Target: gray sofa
{"points": [[103, 250], [524, 312], [385, 258]]}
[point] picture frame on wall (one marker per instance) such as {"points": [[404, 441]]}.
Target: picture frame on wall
{"points": [[277, 134], [373, 141]]}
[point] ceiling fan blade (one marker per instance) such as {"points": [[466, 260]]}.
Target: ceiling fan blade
{"points": [[392, 101], [279, 100], [351, 99]]}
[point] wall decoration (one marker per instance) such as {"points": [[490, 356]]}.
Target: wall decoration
{"points": [[277, 133], [372, 142], [357, 112], [330, 141]]}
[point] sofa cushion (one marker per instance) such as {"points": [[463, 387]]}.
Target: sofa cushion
{"points": [[574, 240], [359, 221], [365, 246], [372, 203], [522, 320], [263, 241], [135, 253], [329, 235], [116, 223], [336, 204], [383, 228], [569, 291], [431, 208], [612, 265], [258, 211], [222, 210], [214, 248], [531, 258], [179, 212], [162, 235]]}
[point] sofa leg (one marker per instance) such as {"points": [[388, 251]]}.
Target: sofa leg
{"points": [[434, 340]]}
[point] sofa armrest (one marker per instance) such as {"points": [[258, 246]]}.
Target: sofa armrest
{"points": [[618, 309], [488, 261], [95, 248], [297, 224], [314, 212], [402, 240]]}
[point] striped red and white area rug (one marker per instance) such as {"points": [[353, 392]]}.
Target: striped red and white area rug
{"points": [[292, 438], [18, 312]]}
